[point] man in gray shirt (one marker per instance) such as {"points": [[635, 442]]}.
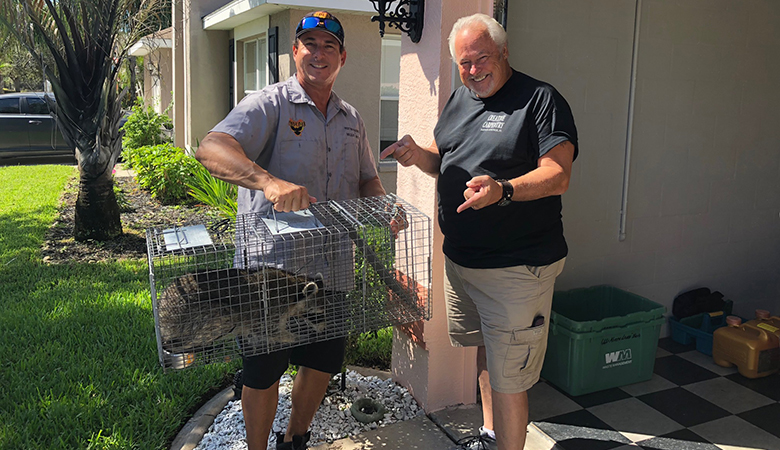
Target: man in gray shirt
{"points": [[289, 145]]}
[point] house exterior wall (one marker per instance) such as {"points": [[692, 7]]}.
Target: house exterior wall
{"points": [[158, 68], [179, 87], [436, 373], [206, 75], [286, 23], [703, 186]]}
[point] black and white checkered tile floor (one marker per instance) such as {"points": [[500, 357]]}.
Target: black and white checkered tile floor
{"points": [[690, 404]]}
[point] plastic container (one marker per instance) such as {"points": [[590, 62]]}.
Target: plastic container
{"points": [[699, 328], [767, 322], [601, 337], [753, 346]]}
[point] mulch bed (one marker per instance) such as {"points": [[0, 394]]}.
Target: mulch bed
{"points": [[141, 212]]}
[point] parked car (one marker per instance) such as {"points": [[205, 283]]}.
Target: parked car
{"points": [[27, 127], [125, 115]]}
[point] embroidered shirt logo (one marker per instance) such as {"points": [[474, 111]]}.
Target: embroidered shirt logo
{"points": [[352, 132], [494, 122], [297, 126]]}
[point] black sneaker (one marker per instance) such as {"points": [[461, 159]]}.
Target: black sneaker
{"points": [[298, 442], [479, 442]]}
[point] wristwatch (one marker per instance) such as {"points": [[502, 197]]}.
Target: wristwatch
{"points": [[506, 196]]}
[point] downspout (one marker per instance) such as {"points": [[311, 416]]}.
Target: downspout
{"points": [[630, 131]]}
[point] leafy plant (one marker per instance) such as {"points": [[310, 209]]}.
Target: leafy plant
{"points": [[371, 349], [213, 192], [164, 170], [145, 127]]}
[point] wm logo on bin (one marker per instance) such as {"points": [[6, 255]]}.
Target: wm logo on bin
{"points": [[618, 358]]}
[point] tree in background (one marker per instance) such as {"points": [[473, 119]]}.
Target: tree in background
{"points": [[22, 72], [87, 41], [18, 69]]}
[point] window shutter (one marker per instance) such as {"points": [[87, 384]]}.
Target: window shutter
{"points": [[232, 73], [273, 55]]}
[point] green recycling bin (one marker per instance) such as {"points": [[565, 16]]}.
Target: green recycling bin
{"points": [[601, 337]]}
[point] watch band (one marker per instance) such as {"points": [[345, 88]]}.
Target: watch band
{"points": [[508, 191]]}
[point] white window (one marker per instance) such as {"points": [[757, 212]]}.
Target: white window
{"points": [[255, 64], [390, 78]]}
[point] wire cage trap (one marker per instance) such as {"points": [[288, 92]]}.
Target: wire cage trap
{"points": [[272, 281]]}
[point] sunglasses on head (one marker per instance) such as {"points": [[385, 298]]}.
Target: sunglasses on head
{"points": [[312, 22]]}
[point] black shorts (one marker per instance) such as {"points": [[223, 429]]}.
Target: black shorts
{"points": [[262, 371]]}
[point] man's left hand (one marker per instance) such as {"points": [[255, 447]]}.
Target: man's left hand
{"points": [[481, 191]]}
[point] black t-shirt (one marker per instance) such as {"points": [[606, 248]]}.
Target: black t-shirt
{"points": [[502, 136]]}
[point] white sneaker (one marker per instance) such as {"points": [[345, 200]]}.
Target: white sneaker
{"points": [[479, 442]]}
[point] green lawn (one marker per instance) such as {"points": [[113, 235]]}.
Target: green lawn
{"points": [[78, 359]]}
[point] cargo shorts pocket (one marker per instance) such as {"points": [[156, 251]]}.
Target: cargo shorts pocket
{"points": [[523, 350]]}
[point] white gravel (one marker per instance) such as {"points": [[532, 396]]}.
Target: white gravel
{"points": [[331, 422]]}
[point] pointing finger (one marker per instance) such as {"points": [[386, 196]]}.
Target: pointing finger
{"points": [[388, 151], [467, 204], [472, 200]]}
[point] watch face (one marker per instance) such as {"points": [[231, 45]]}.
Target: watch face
{"points": [[504, 202]]}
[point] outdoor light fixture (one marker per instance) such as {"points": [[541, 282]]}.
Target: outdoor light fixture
{"points": [[406, 15]]}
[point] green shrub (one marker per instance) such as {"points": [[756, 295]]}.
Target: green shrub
{"points": [[372, 349], [145, 127], [214, 192], [164, 170]]}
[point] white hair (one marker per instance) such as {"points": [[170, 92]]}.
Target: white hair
{"points": [[496, 31]]}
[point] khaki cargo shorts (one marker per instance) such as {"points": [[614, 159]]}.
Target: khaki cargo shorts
{"points": [[496, 308]]}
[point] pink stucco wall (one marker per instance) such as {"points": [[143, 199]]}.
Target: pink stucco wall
{"points": [[438, 375]]}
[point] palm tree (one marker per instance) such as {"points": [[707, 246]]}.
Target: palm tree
{"points": [[88, 41]]}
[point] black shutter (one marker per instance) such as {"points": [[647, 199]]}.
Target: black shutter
{"points": [[273, 54], [232, 73]]}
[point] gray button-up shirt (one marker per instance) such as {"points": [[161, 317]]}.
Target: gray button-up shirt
{"points": [[282, 130]]}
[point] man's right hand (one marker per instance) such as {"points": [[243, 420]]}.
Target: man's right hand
{"points": [[287, 196], [405, 151], [408, 153]]}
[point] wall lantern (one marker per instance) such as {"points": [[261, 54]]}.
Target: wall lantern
{"points": [[406, 15]]}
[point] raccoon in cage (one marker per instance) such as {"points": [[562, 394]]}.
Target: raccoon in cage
{"points": [[260, 306]]}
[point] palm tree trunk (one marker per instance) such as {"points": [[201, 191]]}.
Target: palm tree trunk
{"points": [[97, 211]]}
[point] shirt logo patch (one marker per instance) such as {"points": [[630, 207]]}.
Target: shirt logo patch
{"points": [[494, 122], [297, 126]]}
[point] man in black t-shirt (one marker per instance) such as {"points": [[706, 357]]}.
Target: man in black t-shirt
{"points": [[505, 143]]}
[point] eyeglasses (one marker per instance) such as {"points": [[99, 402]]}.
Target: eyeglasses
{"points": [[313, 22]]}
